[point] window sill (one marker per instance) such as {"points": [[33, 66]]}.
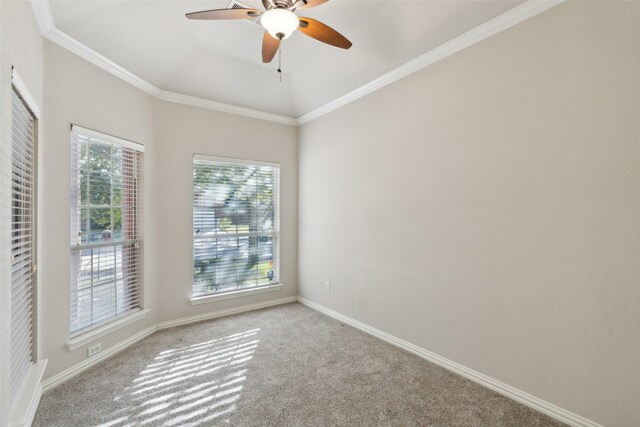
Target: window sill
{"points": [[94, 334], [204, 299], [28, 397]]}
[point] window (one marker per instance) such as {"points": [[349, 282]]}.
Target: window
{"points": [[235, 224], [106, 228], [23, 232]]}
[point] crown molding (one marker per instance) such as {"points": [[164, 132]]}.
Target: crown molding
{"points": [[44, 17], [500, 23], [85, 52], [225, 108], [530, 8]]}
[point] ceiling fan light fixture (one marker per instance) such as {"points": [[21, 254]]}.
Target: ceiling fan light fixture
{"points": [[280, 23]]}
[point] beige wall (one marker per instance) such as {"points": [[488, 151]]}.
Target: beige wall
{"points": [[21, 47], [70, 90], [80, 93], [77, 92], [487, 208], [182, 131]]}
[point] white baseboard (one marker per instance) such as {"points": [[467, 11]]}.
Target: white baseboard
{"points": [[500, 387], [511, 392], [67, 374], [86, 364], [227, 312]]}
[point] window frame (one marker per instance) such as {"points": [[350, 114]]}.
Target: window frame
{"points": [[19, 89], [119, 320], [22, 406], [223, 294]]}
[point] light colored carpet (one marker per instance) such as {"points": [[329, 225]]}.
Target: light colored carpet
{"points": [[282, 366]]}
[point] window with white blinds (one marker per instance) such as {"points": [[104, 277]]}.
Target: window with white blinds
{"points": [[23, 232], [235, 224], [106, 228]]}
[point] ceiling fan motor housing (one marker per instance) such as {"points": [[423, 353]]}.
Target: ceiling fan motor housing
{"points": [[278, 4]]}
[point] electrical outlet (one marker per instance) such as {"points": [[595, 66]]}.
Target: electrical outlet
{"points": [[94, 349], [327, 287]]}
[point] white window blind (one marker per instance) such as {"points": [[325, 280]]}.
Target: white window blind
{"points": [[106, 228], [235, 224], [23, 199]]}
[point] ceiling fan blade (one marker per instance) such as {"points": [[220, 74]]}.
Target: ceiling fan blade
{"points": [[323, 33], [270, 47], [308, 4], [224, 14]]}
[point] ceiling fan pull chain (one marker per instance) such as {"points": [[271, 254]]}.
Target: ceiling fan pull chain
{"points": [[280, 62]]}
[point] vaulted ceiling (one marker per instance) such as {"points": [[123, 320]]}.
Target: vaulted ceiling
{"points": [[221, 60]]}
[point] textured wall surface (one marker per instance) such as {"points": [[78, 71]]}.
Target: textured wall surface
{"points": [[486, 208]]}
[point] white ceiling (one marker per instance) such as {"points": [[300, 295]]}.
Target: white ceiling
{"points": [[221, 60]]}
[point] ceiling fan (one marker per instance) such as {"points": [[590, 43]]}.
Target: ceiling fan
{"points": [[280, 22]]}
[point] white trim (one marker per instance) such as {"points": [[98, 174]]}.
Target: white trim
{"points": [[86, 364], [44, 17], [42, 10], [235, 161], [225, 108], [28, 397], [511, 392], [85, 52], [508, 19], [227, 312], [79, 130], [275, 234], [80, 340], [489, 28], [204, 299], [495, 385], [24, 92]]}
